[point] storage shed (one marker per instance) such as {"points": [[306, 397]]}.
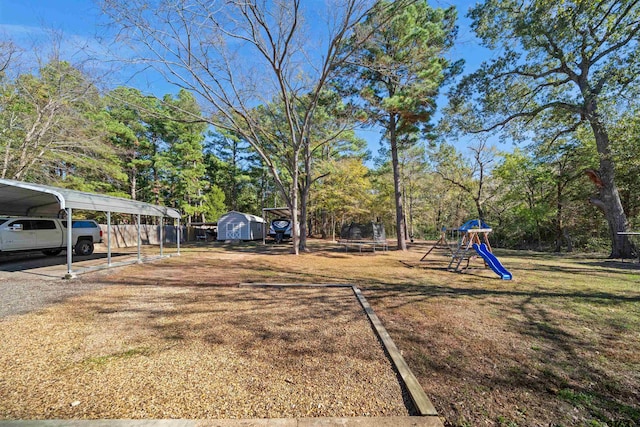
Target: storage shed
{"points": [[240, 226]]}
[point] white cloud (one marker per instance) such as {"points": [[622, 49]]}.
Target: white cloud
{"points": [[20, 33]]}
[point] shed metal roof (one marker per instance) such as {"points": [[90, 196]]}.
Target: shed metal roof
{"points": [[236, 214], [26, 199]]}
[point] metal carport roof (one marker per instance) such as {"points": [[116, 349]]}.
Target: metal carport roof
{"points": [[20, 198], [279, 212], [26, 199]]}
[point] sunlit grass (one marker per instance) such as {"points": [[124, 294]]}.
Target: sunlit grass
{"points": [[559, 344]]}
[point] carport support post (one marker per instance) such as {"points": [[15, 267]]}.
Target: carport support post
{"points": [[108, 239], [178, 236], [69, 274], [161, 227], [139, 239]]}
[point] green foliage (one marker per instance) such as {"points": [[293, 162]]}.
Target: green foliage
{"points": [[161, 144], [382, 204], [625, 146], [57, 128], [396, 73], [471, 176], [541, 197], [130, 114], [233, 166], [399, 69], [53, 129], [561, 70], [181, 161], [214, 204], [345, 191]]}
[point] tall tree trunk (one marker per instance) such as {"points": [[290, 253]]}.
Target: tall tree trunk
{"points": [[411, 230], [295, 228], [304, 196], [7, 156], [559, 226], [402, 244], [324, 215], [609, 200], [324, 223], [134, 183], [567, 239], [479, 209], [333, 226], [234, 171], [405, 215]]}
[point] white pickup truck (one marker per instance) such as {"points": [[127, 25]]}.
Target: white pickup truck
{"points": [[48, 235]]}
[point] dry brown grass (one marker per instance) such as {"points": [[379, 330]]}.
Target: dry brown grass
{"points": [[558, 345], [177, 351]]}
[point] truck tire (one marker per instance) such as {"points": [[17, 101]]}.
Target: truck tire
{"points": [[52, 252], [84, 247]]}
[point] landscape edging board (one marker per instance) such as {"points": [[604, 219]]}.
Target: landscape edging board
{"points": [[421, 401]]}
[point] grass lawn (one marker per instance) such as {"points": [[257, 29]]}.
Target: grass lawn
{"points": [[557, 345]]}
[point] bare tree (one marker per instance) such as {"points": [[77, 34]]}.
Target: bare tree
{"points": [[469, 176], [8, 51], [47, 116], [239, 55]]}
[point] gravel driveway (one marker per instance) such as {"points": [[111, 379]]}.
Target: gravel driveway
{"points": [[23, 294], [30, 282]]}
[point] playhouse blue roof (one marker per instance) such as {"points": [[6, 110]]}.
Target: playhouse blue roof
{"points": [[474, 223]]}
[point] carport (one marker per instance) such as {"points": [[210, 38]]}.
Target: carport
{"points": [[19, 198]]}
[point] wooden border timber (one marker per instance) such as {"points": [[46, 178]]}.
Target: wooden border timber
{"points": [[420, 400]]}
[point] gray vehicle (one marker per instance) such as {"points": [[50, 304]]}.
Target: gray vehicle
{"points": [[48, 235]]}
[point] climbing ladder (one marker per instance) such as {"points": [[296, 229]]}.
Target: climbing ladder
{"points": [[461, 253], [442, 243]]}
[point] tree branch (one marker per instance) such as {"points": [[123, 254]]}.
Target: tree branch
{"points": [[531, 114]]}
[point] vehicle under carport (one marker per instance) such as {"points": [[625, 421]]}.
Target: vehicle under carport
{"points": [[18, 198]]}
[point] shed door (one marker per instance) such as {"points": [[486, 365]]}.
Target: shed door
{"points": [[234, 230]]}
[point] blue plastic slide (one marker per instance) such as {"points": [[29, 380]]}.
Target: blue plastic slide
{"points": [[492, 261]]}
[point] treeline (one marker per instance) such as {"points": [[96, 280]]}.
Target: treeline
{"points": [[59, 129], [233, 139]]}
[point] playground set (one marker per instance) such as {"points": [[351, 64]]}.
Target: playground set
{"points": [[473, 234]]}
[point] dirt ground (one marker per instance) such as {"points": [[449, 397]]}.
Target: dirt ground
{"points": [[557, 345]]}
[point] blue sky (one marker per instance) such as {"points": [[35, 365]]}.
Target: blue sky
{"points": [[21, 18], [26, 21]]}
